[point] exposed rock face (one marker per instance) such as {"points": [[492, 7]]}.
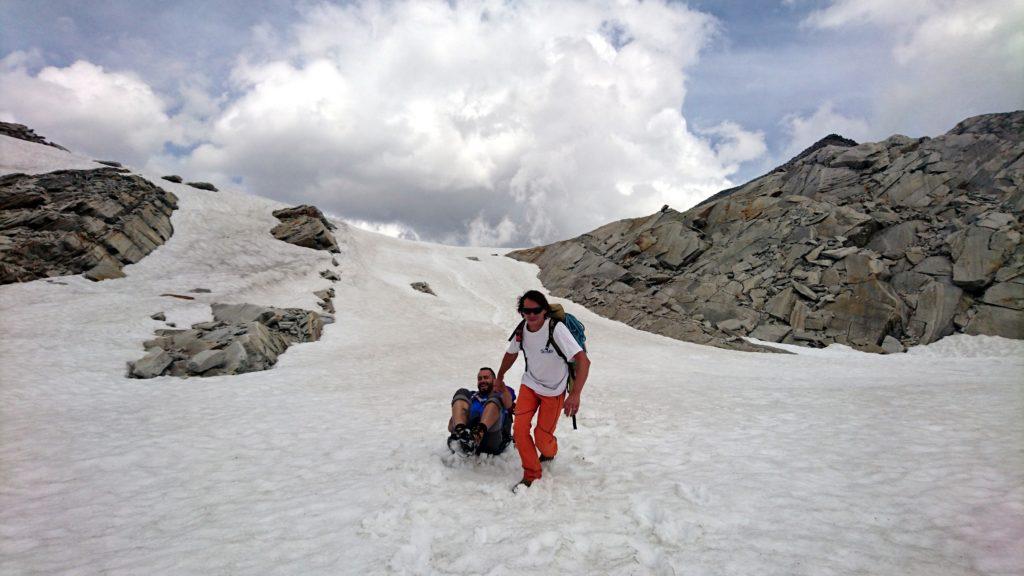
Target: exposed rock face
{"points": [[22, 132], [241, 338], [75, 221], [879, 246], [305, 226]]}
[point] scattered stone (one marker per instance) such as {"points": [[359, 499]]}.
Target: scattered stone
{"points": [[334, 262], [151, 365], [110, 163], [107, 269], [422, 287], [200, 291], [804, 291], [205, 360], [771, 332], [75, 221], [891, 345], [173, 178], [473, 258], [159, 316], [203, 186], [330, 275]]}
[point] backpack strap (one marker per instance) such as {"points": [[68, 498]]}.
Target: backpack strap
{"points": [[518, 335]]}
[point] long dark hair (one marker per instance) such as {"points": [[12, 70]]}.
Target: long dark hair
{"points": [[537, 297]]}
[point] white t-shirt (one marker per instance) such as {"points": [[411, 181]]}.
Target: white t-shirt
{"points": [[546, 372]]}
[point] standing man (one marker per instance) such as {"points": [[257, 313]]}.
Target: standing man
{"points": [[544, 382]]}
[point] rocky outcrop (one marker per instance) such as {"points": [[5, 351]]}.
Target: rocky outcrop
{"points": [[203, 186], [241, 338], [879, 246], [74, 221], [305, 226], [22, 132]]}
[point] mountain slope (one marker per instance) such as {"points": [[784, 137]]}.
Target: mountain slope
{"points": [[689, 459], [879, 246]]}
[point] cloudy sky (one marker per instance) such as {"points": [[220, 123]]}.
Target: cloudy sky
{"points": [[496, 122]]}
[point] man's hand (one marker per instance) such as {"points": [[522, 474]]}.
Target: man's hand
{"points": [[572, 404]]}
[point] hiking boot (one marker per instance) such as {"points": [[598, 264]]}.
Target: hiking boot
{"points": [[478, 433], [461, 440], [544, 458], [524, 483]]}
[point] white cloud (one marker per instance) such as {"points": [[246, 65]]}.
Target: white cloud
{"points": [[482, 122], [88, 109], [806, 130], [948, 59]]}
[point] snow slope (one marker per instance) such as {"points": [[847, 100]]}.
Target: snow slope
{"points": [[688, 460]]}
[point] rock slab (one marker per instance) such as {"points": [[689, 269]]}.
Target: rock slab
{"points": [[305, 226], [241, 338], [75, 221]]}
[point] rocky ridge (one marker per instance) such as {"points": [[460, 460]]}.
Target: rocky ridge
{"points": [[74, 221], [22, 132], [879, 246]]}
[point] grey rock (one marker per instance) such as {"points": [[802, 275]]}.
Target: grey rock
{"points": [[107, 269], [201, 291], [152, 364], [173, 178], [936, 306], [205, 360], [306, 226], [79, 221], [110, 163], [891, 345], [771, 332], [1005, 295], [330, 275], [422, 287], [473, 258], [159, 316], [203, 186], [804, 291], [935, 266], [997, 321], [894, 240], [974, 263], [840, 253]]}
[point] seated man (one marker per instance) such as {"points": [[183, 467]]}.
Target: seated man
{"points": [[481, 421]]}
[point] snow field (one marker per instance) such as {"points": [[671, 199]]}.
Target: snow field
{"points": [[688, 460]]}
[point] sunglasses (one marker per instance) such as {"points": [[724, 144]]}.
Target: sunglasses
{"points": [[536, 310]]}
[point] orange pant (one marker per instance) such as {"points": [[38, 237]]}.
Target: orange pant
{"points": [[527, 404]]}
